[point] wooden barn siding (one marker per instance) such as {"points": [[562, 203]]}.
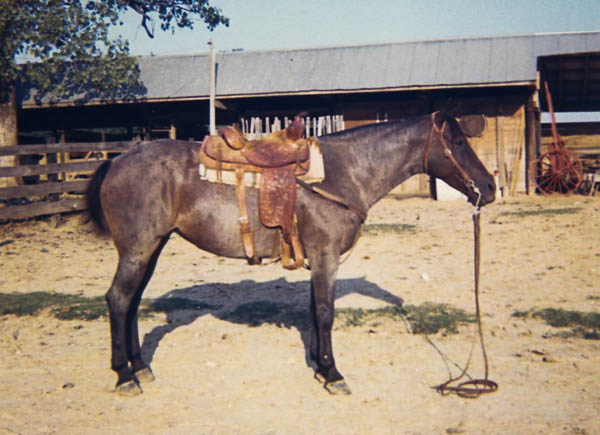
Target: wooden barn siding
{"points": [[513, 144]]}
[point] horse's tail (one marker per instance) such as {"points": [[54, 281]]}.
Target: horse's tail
{"points": [[92, 196]]}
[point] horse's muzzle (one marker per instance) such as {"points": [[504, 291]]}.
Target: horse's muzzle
{"points": [[482, 194]]}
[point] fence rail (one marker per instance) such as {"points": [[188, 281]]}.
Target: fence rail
{"points": [[61, 177]]}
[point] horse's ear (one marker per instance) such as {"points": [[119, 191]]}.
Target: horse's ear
{"points": [[472, 125]]}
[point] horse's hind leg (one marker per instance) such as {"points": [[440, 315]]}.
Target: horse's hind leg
{"points": [[123, 297], [141, 371]]}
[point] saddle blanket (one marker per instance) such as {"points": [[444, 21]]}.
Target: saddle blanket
{"points": [[251, 179]]}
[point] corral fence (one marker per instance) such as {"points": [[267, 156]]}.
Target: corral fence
{"points": [[55, 179]]}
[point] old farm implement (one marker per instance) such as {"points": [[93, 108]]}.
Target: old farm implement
{"points": [[557, 170]]}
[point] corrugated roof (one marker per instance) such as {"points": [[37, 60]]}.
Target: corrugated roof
{"points": [[435, 63], [457, 62]]}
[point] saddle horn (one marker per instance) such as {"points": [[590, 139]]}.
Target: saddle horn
{"points": [[295, 130]]}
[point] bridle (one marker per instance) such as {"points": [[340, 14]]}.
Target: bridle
{"points": [[469, 183]]}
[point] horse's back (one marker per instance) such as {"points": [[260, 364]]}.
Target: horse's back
{"points": [[163, 153]]}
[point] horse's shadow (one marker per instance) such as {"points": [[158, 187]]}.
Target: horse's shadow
{"points": [[277, 302]]}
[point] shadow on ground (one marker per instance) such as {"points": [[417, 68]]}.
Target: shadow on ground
{"points": [[277, 302]]}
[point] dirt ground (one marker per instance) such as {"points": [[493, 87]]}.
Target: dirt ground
{"points": [[215, 375]]}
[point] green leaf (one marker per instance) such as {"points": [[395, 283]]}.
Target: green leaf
{"points": [[74, 57]]}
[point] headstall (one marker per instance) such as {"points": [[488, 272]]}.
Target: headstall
{"points": [[448, 154]]}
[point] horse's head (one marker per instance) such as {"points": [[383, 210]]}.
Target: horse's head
{"points": [[449, 156]]}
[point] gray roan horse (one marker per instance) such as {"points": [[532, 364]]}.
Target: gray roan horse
{"points": [[154, 189]]}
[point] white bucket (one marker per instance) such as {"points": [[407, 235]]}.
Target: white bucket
{"points": [[447, 193]]}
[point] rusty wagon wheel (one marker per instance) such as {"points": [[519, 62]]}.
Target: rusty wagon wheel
{"points": [[558, 171]]}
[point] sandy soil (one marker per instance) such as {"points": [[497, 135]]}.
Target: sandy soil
{"points": [[222, 376]]}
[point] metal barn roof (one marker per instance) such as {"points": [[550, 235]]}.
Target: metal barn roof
{"points": [[441, 63]]}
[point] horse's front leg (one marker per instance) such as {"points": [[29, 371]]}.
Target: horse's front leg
{"points": [[323, 274]]}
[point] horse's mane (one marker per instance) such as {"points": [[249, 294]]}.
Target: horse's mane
{"points": [[367, 130]]}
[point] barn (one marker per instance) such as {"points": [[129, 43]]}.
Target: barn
{"points": [[501, 77]]}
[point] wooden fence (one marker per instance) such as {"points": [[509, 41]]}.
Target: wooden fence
{"points": [[60, 178]]}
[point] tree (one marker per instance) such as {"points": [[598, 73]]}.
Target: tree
{"points": [[73, 54]]}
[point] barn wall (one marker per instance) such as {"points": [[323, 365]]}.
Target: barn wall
{"points": [[510, 141]]}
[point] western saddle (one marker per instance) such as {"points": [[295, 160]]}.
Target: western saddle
{"points": [[276, 160]]}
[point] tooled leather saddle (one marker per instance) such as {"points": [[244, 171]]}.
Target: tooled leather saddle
{"points": [[279, 158]]}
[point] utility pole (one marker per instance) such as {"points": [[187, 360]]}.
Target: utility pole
{"points": [[213, 68]]}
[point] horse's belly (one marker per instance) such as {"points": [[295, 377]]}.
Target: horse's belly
{"points": [[226, 241], [211, 222]]}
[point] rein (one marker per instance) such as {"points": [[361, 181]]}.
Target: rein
{"points": [[358, 211], [473, 388]]}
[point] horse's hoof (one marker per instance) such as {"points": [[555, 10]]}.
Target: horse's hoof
{"points": [[129, 389], [319, 377], [338, 388], [144, 375]]}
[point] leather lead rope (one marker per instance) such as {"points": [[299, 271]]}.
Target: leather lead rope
{"points": [[473, 388]]}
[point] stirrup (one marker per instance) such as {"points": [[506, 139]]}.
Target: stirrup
{"points": [[246, 232], [292, 254]]}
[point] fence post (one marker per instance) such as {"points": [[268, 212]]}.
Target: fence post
{"points": [[51, 159], [531, 127], [500, 153], [9, 134], [173, 131], [63, 156]]}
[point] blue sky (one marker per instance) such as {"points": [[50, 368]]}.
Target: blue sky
{"points": [[284, 24]]}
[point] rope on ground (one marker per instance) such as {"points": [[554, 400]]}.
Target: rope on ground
{"points": [[471, 388]]}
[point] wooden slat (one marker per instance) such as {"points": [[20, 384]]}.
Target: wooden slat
{"points": [[53, 168], [42, 208], [78, 186], [82, 147]]}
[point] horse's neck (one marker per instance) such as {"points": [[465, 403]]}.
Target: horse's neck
{"points": [[364, 168]]}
